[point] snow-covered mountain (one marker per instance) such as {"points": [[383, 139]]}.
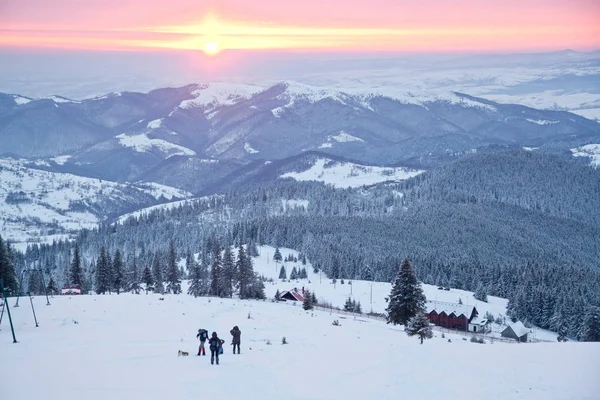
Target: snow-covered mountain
{"points": [[122, 137], [36, 204]]}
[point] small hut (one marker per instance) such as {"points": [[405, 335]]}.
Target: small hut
{"points": [[516, 331]]}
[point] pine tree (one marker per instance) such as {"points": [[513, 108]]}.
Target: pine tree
{"points": [[195, 288], [590, 330], [52, 288], [7, 269], [277, 295], [76, 272], [481, 294], [228, 272], [148, 279], [349, 305], [406, 298], [157, 275], [118, 281], [215, 270], [294, 274], [110, 276], [102, 283], [282, 274], [358, 308], [313, 298], [204, 277], [134, 276], [173, 281], [245, 273], [277, 256], [307, 303], [420, 326]]}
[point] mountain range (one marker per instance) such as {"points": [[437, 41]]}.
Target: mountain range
{"points": [[178, 131], [198, 140]]}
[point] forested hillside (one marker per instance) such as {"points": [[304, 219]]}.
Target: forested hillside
{"points": [[516, 224]]}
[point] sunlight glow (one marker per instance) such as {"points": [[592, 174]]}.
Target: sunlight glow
{"points": [[211, 48]]}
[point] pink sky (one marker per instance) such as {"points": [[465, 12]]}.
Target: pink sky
{"points": [[394, 25]]}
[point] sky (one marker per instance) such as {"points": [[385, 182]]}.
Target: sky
{"points": [[308, 25]]}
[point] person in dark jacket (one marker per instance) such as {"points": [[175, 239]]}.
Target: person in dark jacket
{"points": [[236, 333], [203, 336], [215, 346]]}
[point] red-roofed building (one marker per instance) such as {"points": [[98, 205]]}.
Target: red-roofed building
{"points": [[71, 290], [291, 295]]}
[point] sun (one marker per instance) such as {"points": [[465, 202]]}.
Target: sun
{"points": [[211, 48]]}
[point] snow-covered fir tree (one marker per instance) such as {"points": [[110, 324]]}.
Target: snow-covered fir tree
{"points": [[282, 274], [419, 326], [173, 281], [406, 298], [480, 294], [277, 256], [590, 331], [134, 276], [76, 271], [102, 283], [215, 270], [307, 304], [148, 279], [7, 269], [157, 275], [228, 272], [294, 274], [195, 288], [118, 275]]}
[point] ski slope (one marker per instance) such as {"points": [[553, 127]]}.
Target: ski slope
{"points": [[125, 346]]}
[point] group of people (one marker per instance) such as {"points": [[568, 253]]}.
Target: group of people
{"points": [[216, 344]]}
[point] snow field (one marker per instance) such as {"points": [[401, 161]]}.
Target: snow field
{"points": [[125, 346]]}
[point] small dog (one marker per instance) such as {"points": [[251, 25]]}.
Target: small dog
{"points": [[182, 353]]}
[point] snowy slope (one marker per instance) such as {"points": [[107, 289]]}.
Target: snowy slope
{"points": [[216, 94], [142, 143], [346, 174], [125, 347], [592, 151], [36, 203]]}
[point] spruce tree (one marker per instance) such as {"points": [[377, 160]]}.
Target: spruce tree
{"points": [[148, 279], [134, 276], [406, 298], [76, 272], [358, 308], [294, 274], [173, 281], [349, 305], [7, 269], [590, 330], [480, 294], [313, 298], [307, 303], [419, 326], [157, 275], [246, 273], [277, 295], [52, 288], [282, 274], [277, 256], [117, 275], [228, 272], [102, 283], [195, 288], [215, 270]]}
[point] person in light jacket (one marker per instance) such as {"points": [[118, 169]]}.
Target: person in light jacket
{"points": [[236, 333]]}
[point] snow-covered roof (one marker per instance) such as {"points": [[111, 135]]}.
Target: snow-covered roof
{"points": [[479, 321], [449, 308], [519, 329], [297, 295]]}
